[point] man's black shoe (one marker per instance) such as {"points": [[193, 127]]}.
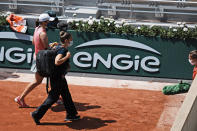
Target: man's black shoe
{"points": [[72, 118], [35, 120]]}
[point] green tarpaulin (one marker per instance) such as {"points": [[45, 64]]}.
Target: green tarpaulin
{"points": [[176, 89]]}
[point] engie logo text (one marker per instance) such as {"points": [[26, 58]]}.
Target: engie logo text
{"points": [[16, 55], [13, 54], [122, 62]]}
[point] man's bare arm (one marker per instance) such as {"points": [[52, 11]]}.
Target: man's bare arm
{"points": [[44, 39]]}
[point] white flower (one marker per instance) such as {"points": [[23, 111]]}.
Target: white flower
{"points": [[77, 24], [8, 13], [138, 27], [170, 27], [181, 26], [127, 24], [152, 25], [111, 21], [116, 22], [178, 23], [83, 25], [174, 30], [185, 29], [90, 17], [74, 15], [77, 20], [123, 21], [3, 14], [106, 20], [108, 24], [69, 20], [90, 22], [102, 17], [117, 25], [84, 20], [183, 23]]}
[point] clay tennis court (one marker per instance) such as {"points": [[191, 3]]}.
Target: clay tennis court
{"points": [[100, 108]]}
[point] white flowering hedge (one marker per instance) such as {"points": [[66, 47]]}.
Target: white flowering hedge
{"points": [[107, 25]]}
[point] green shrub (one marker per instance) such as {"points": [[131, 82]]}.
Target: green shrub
{"points": [[107, 25], [3, 19]]}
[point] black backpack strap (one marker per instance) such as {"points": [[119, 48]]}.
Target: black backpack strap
{"points": [[47, 85]]}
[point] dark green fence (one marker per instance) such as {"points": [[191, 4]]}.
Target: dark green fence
{"points": [[107, 54]]}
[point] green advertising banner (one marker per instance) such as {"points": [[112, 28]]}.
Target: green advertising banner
{"points": [[16, 49], [113, 54], [131, 55]]}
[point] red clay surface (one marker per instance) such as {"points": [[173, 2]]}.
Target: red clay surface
{"points": [[101, 109]]}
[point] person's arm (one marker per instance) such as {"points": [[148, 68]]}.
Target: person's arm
{"points": [[44, 39], [194, 73], [59, 59]]}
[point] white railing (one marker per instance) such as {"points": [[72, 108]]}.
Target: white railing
{"points": [[42, 1], [156, 7], [55, 5], [13, 4]]}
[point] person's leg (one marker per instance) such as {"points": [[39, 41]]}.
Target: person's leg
{"points": [[28, 89], [67, 99], [51, 99], [31, 86]]}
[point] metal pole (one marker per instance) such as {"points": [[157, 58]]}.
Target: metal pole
{"points": [[63, 12]]}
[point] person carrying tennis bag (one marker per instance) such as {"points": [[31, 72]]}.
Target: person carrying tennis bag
{"points": [[59, 84]]}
